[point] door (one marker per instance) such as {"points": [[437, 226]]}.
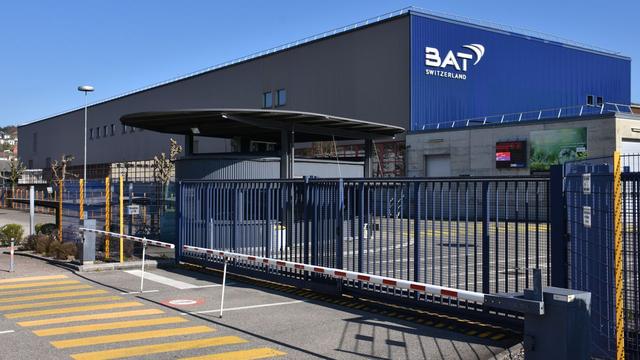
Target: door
{"points": [[437, 165]]}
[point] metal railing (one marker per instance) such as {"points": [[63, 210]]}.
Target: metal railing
{"points": [[484, 235], [535, 115]]}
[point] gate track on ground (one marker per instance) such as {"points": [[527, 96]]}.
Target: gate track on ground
{"points": [[418, 316]]}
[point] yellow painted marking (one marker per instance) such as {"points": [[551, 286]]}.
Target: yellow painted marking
{"points": [[485, 334], [52, 296], [158, 348], [72, 310], [252, 354], [59, 302], [472, 332], [102, 316], [46, 289], [109, 326], [38, 284], [140, 335], [498, 337], [32, 278]]}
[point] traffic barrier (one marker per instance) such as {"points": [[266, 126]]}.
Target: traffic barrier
{"points": [[348, 275], [143, 241]]}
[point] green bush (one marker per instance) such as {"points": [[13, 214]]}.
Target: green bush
{"points": [[4, 240], [13, 231], [46, 229], [42, 244]]}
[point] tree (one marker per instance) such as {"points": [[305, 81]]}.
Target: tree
{"points": [[59, 169], [163, 167], [16, 169]]}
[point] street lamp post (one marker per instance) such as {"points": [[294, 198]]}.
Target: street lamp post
{"points": [[86, 89]]}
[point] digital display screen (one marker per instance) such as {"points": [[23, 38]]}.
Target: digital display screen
{"points": [[511, 154]]}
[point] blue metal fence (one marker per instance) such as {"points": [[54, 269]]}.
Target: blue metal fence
{"points": [[474, 234]]}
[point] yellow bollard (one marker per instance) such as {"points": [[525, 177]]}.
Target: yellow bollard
{"points": [[60, 187], [121, 219], [107, 217], [81, 199], [617, 254]]}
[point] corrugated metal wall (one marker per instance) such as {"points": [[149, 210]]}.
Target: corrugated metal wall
{"points": [[515, 74]]}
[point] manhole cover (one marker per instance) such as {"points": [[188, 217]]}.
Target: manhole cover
{"points": [[182, 302]]}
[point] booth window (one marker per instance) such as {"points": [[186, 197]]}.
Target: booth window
{"points": [[590, 100], [282, 97], [267, 100], [600, 100]]}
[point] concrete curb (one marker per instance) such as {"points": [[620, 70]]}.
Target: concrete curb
{"points": [[129, 265]]}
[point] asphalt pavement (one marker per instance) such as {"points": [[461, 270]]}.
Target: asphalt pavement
{"points": [[49, 312]]}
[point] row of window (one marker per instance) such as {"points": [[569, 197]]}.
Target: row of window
{"points": [[109, 130], [267, 98], [595, 100]]}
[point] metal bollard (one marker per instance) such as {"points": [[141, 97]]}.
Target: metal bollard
{"points": [[11, 251]]}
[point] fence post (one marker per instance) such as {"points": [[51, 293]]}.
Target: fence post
{"points": [[485, 237], [361, 226], [107, 217], [81, 199], [557, 219], [178, 217], [617, 254], [121, 206], [339, 225], [305, 220], [416, 233]]}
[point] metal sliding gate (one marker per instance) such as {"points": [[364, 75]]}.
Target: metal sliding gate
{"points": [[477, 234]]}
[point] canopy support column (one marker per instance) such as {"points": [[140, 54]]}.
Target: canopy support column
{"points": [[368, 158], [287, 145]]}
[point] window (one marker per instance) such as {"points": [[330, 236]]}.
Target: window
{"points": [[282, 97], [590, 100], [113, 129], [600, 100], [267, 100], [104, 131], [124, 128], [98, 133], [91, 134]]}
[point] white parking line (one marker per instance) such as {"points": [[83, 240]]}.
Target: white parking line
{"points": [[138, 292], [7, 332], [243, 307], [163, 280]]}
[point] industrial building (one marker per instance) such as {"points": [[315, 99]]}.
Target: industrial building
{"points": [[447, 82]]}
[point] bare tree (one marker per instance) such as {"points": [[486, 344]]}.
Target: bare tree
{"points": [[59, 168], [163, 167], [16, 169]]}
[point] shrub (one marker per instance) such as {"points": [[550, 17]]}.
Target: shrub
{"points": [[4, 240], [46, 229], [31, 241], [13, 231], [42, 244], [62, 251]]}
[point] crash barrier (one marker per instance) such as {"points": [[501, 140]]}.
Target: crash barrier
{"points": [[144, 241], [555, 320]]}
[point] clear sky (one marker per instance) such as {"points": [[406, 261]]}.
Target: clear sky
{"points": [[48, 48]]}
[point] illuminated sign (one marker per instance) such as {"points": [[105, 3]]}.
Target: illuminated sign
{"points": [[454, 65]]}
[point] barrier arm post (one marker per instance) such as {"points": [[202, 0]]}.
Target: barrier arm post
{"points": [[12, 263], [144, 251], [224, 282], [81, 199], [107, 217]]}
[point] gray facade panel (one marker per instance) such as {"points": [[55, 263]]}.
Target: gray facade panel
{"points": [[362, 74]]}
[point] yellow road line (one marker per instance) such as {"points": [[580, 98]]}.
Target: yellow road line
{"points": [[109, 326], [32, 278], [71, 310], [38, 284], [101, 316], [59, 302], [158, 348], [251, 354], [152, 334], [46, 289], [52, 296]]}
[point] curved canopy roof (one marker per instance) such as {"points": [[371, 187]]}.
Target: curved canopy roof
{"points": [[259, 124]]}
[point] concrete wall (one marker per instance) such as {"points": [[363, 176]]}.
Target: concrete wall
{"points": [[472, 150], [361, 74]]}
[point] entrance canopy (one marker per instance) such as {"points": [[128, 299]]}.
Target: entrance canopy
{"points": [[279, 126], [259, 124]]}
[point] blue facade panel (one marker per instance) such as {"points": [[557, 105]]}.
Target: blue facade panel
{"points": [[514, 73]]}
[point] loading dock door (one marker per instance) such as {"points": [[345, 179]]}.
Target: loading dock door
{"points": [[437, 165]]}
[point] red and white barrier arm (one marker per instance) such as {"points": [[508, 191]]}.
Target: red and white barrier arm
{"points": [[350, 275], [132, 238]]}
